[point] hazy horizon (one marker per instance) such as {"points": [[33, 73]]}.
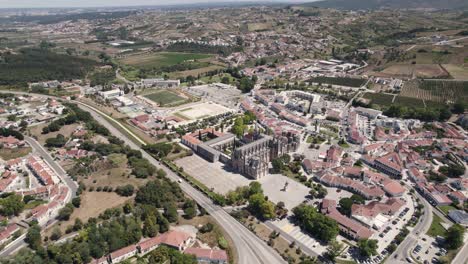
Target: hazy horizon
{"points": [[116, 3]]}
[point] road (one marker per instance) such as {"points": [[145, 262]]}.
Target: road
{"points": [[403, 250], [56, 167], [250, 249], [72, 186], [462, 256]]}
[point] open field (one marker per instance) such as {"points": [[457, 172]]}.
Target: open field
{"points": [[93, 204], [115, 176], [441, 91], [379, 98], [259, 26], [385, 100], [436, 228], [456, 71], [165, 98], [201, 111], [343, 81], [66, 130], [419, 70], [161, 59], [446, 208], [195, 72], [8, 154]]}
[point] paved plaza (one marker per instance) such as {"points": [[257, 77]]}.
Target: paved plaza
{"points": [[213, 175], [273, 187]]}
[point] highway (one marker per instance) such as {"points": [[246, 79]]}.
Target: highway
{"points": [[250, 249]]}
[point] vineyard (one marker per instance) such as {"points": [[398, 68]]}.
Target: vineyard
{"points": [[440, 91], [342, 81]]}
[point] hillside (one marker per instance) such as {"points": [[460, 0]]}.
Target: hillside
{"points": [[394, 4]]}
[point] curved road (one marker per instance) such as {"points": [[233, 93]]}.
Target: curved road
{"points": [[403, 250], [250, 248]]}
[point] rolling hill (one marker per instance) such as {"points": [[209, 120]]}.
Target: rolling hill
{"points": [[393, 4]]}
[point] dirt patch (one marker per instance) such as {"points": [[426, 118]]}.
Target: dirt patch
{"points": [[92, 204]]}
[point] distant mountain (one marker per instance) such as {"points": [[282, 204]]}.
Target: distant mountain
{"points": [[393, 4]]}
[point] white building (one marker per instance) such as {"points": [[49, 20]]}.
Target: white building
{"points": [[111, 94]]}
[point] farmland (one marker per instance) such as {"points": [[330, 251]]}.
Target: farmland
{"points": [[441, 91], [350, 82], [165, 98], [161, 59], [419, 70], [379, 98]]}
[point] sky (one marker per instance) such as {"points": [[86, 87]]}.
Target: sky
{"points": [[101, 3]]}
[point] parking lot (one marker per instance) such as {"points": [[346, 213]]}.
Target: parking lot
{"points": [[427, 249]]}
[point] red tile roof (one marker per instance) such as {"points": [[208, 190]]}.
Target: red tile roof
{"points": [[212, 254]]}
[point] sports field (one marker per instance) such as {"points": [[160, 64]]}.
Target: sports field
{"points": [[165, 98], [162, 59]]}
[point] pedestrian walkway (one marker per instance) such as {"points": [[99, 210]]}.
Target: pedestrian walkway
{"points": [[295, 233]]}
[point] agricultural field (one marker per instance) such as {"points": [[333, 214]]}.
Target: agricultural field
{"points": [[457, 72], [380, 98], [161, 59], [441, 91], [419, 70], [166, 98], [350, 82]]}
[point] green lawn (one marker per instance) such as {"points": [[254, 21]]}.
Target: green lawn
{"points": [[165, 98], [446, 208], [436, 228]]}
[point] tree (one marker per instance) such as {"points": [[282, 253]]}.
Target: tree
{"points": [[190, 209], [150, 228], [459, 107], [65, 213], [76, 202], [255, 188], [33, 237], [323, 227], [126, 190], [261, 207], [368, 247], [163, 224], [11, 205], [345, 206], [454, 236], [277, 164], [334, 249], [56, 234], [170, 212]]}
